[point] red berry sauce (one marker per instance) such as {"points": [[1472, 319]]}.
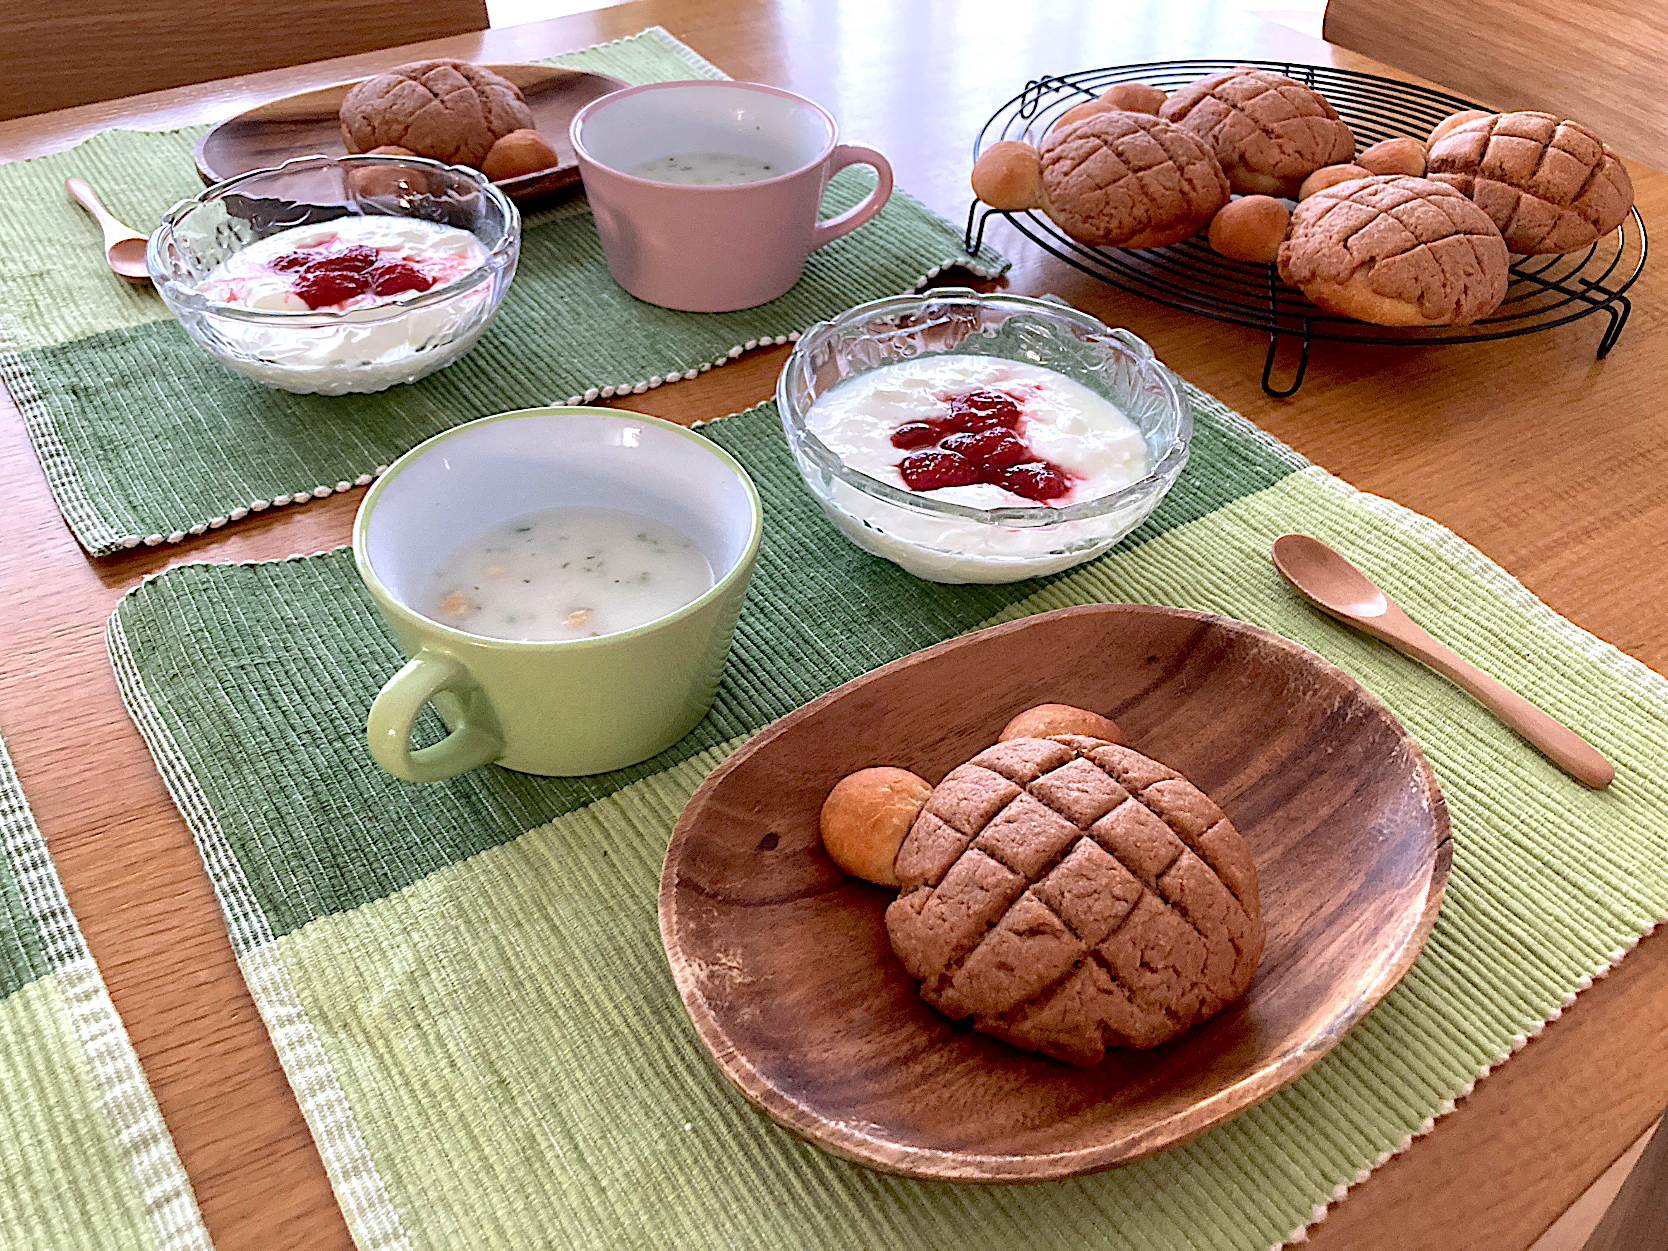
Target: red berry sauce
{"points": [[980, 438], [394, 277], [326, 276], [934, 468]]}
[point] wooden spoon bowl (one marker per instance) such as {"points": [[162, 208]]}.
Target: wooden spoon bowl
{"points": [[784, 964]]}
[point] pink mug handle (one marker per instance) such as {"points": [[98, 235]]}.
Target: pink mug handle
{"points": [[851, 154]]}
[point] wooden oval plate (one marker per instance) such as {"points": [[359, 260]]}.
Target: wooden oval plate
{"points": [[306, 124], [784, 964]]}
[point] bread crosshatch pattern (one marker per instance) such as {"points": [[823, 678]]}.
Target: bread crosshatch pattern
{"points": [[452, 111], [1396, 250], [1283, 132], [1549, 185], [1130, 180], [1071, 894], [449, 110], [1269, 131]]}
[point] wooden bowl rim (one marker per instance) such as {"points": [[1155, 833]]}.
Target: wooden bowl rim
{"points": [[889, 1156], [521, 183]]}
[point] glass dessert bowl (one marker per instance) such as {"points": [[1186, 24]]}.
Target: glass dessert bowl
{"points": [[332, 275], [1084, 428]]}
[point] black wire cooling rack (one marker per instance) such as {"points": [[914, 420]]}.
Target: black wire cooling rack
{"points": [[1545, 291]]}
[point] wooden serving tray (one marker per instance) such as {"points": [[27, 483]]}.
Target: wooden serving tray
{"points": [[784, 964], [306, 124]]}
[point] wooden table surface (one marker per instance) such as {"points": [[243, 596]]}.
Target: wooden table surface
{"points": [[1544, 458]]}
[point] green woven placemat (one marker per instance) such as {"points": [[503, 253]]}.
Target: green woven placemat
{"points": [[466, 984], [145, 438], [85, 1160]]}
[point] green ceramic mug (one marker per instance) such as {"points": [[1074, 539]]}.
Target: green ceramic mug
{"points": [[562, 708]]}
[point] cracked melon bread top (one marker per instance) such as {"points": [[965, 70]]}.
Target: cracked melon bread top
{"points": [[1549, 185], [449, 110], [1071, 894], [1396, 251], [1269, 131], [1129, 180]]}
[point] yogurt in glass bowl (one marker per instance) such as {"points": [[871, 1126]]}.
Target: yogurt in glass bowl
{"points": [[338, 274], [981, 438]]}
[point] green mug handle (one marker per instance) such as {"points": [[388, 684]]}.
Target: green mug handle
{"points": [[388, 728]]}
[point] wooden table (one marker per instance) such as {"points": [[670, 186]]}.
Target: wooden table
{"points": [[1545, 459]]}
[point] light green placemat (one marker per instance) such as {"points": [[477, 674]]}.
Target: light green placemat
{"points": [[465, 980], [85, 1160], [145, 438]]}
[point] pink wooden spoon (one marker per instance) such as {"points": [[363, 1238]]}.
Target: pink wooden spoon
{"points": [[1338, 588], [124, 247]]}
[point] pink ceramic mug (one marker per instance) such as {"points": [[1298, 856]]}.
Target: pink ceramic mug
{"points": [[713, 248]]}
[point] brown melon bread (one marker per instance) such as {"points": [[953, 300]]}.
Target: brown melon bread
{"points": [[1129, 180], [1396, 251], [447, 110], [1549, 185], [1070, 894], [1269, 131]]}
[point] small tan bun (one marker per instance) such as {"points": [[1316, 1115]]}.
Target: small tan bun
{"points": [[1047, 720], [379, 181], [390, 149], [1134, 98], [1330, 176], [1251, 228], [1394, 156], [1078, 112], [865, 818], [1008, 176], [517, 153], [1452, 120]]}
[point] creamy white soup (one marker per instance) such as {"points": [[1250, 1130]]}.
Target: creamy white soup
{"points": [[567, 573], [707, 169]]}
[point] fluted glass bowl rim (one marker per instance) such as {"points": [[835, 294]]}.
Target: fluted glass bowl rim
{"points": [[1167, 465], [186, 297]]}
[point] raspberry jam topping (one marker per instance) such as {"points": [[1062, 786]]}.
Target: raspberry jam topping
{"points": [[1036, 480], [917, 434], [324, 277], [354, 259], [323, 287], [926, 471], [392, 278], [979, 439], [988, 449], [982, 409]]}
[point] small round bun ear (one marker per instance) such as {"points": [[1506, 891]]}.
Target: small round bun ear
{"points": [[865, 818], [1047, 720], [1394, 156], [1330, 176], [1134, 98], [1455, 119], [1078, 112], [1251, 228], [1008, 176], [517, 153]]}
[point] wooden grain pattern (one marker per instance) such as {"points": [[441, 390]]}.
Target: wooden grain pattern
{"points": [[60, 55], [1548, 461], [784, 962], [308, 123], [1597, 61]]}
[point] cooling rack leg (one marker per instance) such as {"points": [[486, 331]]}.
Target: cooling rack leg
{"points": [[1268, 368], [971, 242], [1613, 331]]}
